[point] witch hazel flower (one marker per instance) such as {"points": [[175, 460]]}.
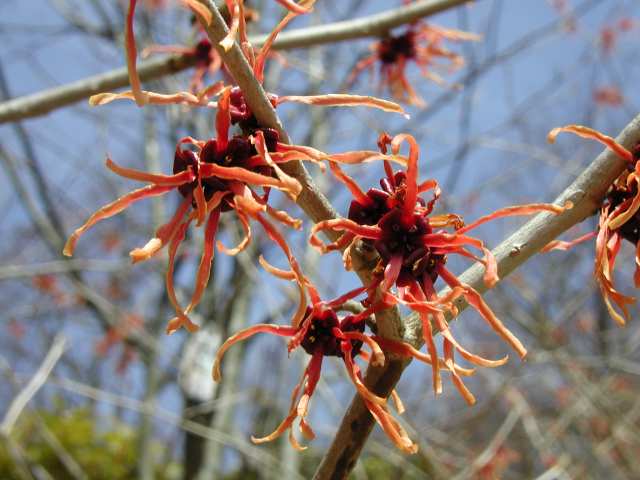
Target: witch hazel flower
{"points": [[257, 61], [420, 43], [322, 332], [413, 247], [619, 219], [213, 177]]}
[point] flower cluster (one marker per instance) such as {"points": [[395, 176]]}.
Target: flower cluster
{"points": [[220, 174], [420, 43], [619, 219], [413, 246], [321, 332], [237, 168]]}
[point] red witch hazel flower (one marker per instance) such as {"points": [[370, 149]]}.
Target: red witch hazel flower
{"points": [[215, 176], [207, 59], [420, 43], [413, 246], [256, 59], [322, 333], [619, 220]]}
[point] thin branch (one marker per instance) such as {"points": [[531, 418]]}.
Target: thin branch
{"points": [[586, 193], [46, 101], [38, 379], [63, 266]]}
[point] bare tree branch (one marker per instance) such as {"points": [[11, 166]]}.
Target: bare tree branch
{"points": [[38, 379]]}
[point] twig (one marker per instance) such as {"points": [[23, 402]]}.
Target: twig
{"points": [[46, 101], [63, 266], [38, 379]]}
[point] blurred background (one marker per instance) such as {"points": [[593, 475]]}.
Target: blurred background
{"points": [[120, 399]]}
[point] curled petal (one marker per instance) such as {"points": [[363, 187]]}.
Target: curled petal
{"points": [[168, 180], [131, 54], [199, 9], [517, 210], [163, 234], [258, 65], [397, 401], [350, 183], [354, 374], [476, 300], [223, 120], [275, 271], [341, 224], [227, 42], [211, 91], [284, 217], [181, 320], [301, 280], [288, 184], [302, 7], [391, 427], [280, 330], [607, 246], [586, 132], [564, 245], [627, 214], [407, 350], [112, 209], [446, 220], [343, 100], [377, 356], [243, 243], [204, 269], [201, 203], [364, 156], [411, 194], [457, 381], [180, 98], [245, 176]]}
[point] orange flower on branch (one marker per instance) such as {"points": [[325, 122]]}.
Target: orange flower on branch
{"points": [[215, 176], [322, 333], [413, 246], [619, 219], [256, 60], [422, 44]]}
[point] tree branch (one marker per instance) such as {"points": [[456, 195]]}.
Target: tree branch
{"points": [[46, 101]]}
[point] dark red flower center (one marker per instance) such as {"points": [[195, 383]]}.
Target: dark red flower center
{"points": [[238, 151], [621, 195], [320, 336], [202, 52], [242, 114], [402, 232], [391, 48]]}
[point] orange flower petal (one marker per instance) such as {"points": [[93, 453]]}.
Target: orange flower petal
{"points": [[517, 210], [586, 132], [282, 331], [343, 100], [112, 209], [158, 179]]}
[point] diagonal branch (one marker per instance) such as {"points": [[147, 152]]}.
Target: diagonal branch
{"points": [[46, 101], [38, 379]]}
